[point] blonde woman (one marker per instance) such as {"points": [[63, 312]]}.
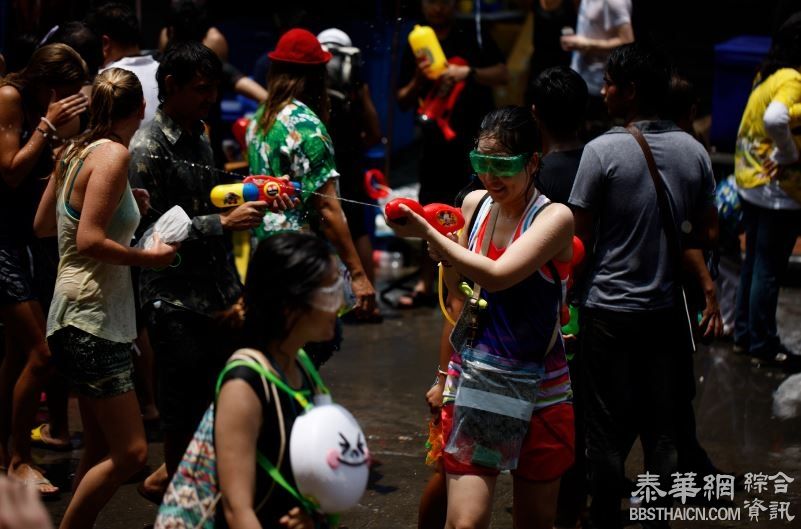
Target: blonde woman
{"points": [[91, 324]]}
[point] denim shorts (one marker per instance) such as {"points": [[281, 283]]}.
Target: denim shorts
{"points": [[95, 367]]}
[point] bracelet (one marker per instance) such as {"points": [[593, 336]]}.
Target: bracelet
{"points": [[440, 372], [44, 132], [49, 123]]}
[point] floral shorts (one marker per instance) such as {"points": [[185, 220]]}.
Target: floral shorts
{"points": [[95, 367]]}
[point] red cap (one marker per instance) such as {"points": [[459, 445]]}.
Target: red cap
{"points": [[300, 47]]}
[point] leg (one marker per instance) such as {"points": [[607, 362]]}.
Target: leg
{"points": [[469, 501], [534, 504], [776, 234], [121, 425], [144, 372], [608, 397], [56, 432], [742, 303], [433, 510], [13, 362], [95, 448], [25, 322]]}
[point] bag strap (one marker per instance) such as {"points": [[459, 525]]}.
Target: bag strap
{"points": [[668, 222], [665, 211], [476, 213], [485, 242]]}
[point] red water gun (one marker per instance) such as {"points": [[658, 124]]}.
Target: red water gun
{"points": [[253, 188], [239, 130], [438, 108], [375, 184], [444, 218]]}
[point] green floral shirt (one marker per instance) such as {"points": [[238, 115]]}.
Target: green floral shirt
{"points": [[297, 145]]}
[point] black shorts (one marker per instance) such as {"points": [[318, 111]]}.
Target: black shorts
{"points": [[16, 278], [191, 350]]}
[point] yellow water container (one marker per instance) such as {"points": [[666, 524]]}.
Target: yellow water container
{"points": [[425, 44]]}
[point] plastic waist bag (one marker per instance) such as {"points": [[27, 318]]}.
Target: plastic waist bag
{"points": [[171, 227], [494, 403]]}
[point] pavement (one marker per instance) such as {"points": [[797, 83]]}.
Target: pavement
{"points": [[381, 376]]}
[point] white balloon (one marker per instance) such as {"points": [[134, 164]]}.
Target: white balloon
{"points": [[329, 456]]}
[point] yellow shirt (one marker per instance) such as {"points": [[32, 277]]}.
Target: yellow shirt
{"points": [[754, 146]]}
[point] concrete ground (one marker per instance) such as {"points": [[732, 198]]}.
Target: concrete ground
{"points": [[381, 376]]}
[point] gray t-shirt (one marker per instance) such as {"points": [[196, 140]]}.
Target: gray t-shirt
{"points": [[631, 269]]}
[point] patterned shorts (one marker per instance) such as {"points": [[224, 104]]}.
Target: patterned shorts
{"points": [[95, 367]]}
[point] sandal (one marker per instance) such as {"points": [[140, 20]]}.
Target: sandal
{"points": [[37, 479], [417, 299], [41, 440]]}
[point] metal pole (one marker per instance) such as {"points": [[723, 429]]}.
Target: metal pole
{"points": [[393, 80]]}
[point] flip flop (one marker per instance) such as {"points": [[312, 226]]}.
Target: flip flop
{"points": [[38, 440], [38, 482], [417, 299]]}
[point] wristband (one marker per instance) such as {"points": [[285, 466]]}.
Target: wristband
{"points": [[49, 123], [43, 132], [440, 372]]}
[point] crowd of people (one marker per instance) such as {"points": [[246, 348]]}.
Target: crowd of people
{"points": [[98, 141]]}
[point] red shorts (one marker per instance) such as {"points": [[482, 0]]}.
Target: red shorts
{"points": [[548, 448]]}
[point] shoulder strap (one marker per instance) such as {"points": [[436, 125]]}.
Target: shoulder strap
{"points": [[72, 174], [665, 212], [478, 217]]}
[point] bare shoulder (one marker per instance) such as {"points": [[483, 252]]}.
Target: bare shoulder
{"points": [[471, 201], [558, 215], [10, 104], [109, 154], [10, 95]]}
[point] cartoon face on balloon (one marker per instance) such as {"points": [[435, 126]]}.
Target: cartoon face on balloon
{"points": [[353, 454], [330, 459]]}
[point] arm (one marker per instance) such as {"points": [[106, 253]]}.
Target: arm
{"points": [[44, 224], [251, 89], [624, 34], [494, 75], [335, 230], [16, 161], [777, 127], [104, 187], [408, 94], [238, 422], [550, 237], [711, 320]]}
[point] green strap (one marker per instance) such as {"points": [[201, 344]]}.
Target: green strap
{"points": [[309, 367], [269, 375], [274, 473]]}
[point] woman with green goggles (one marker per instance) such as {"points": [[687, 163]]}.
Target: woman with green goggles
{"points": [[521, 273]]}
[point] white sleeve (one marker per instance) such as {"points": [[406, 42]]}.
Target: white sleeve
{"points": [[617, 13], [777, 126]]}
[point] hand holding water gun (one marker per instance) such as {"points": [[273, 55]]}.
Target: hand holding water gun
{"points": [[442, 217], [570, 314], [278, 193], [438, 105]]}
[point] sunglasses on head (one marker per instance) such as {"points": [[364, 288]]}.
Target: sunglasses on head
{"points": [[502, 166]]}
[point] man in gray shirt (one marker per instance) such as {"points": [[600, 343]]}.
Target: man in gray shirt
{"points": [[634, 354]]}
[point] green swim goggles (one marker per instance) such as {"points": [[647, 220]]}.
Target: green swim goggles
{"points": [[502, 166]]}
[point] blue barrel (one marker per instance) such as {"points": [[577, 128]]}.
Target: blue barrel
{"points": [[736, 63]]}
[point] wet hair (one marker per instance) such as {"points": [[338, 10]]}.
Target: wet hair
{"points": [[560, 95], [51, 65], [513, 128], [117, 21], [82, 39], [283, 273], [183, 61], [785, 50], [288, 81], [644, 67], [116, 95]]}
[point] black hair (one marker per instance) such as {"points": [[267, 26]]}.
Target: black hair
{"points": [[116, 20], [560, 96], [19, 51], [185, 60], [283, 273], [188, 21], [646, 68], [785, 50], [82, 39], [681, 98], [513, 127]]}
